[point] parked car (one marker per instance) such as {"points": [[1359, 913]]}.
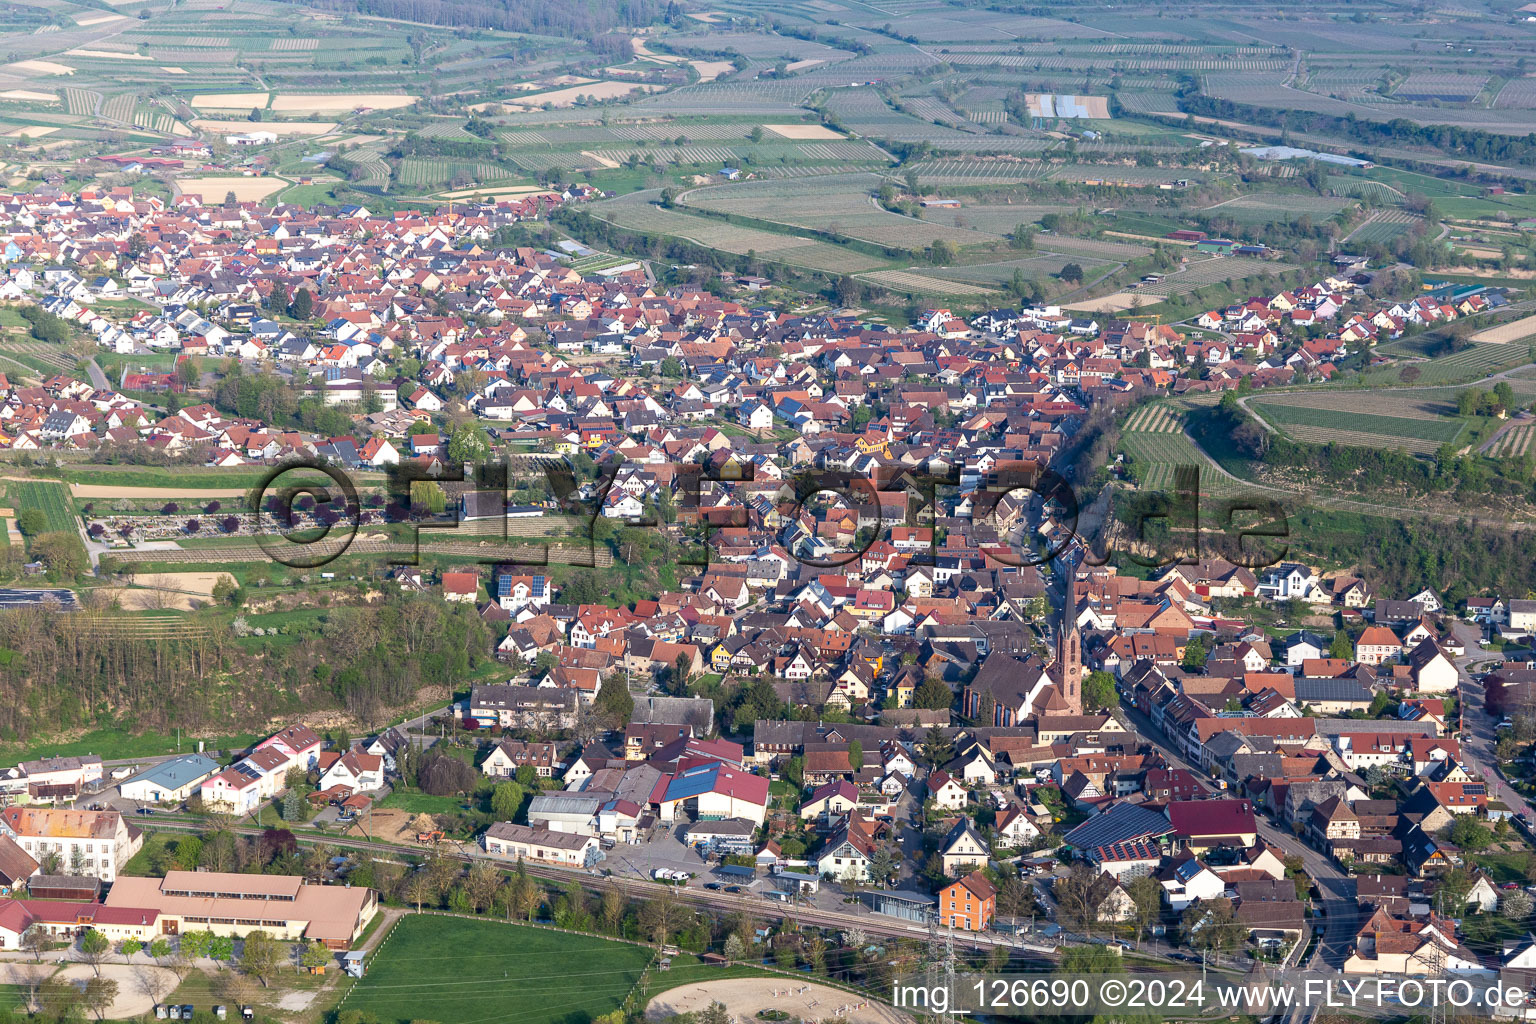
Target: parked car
{"points": [[715, 886]]}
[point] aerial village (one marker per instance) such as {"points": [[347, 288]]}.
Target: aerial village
{"points": [[1038, 754]]}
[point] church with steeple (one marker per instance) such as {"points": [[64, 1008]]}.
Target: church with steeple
{"points": [[1067, 670], [1009, 689]]}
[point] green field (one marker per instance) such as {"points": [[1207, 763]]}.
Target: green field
{"points": [[1467, 365], [1159, 453], [1320, 426], [52, 498], [114, 744], [472, 972]]}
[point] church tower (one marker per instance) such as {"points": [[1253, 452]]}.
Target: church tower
{"points": [[1069, 662]]}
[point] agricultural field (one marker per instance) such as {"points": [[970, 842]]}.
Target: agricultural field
{"points": [[46, 495], [1158, 455], [1440, 86], [417, 171], [1512, 442], [1503, 334], [246, 189], [1317, 424], [636, 212], [1155, 418], [845, 207], [1265, 207], [450, 968], [925, 283], [1199, 273], [1383, 226], [1469, 364]]}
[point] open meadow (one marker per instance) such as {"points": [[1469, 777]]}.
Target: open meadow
{"points": [[453, 969]]}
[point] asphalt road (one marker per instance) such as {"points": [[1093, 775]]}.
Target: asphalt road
{"points": [[1477, 726]]}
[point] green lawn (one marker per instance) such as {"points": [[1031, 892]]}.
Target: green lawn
{"points": [[1503, 867], [453, 969], [422, 803], [114, 743]]}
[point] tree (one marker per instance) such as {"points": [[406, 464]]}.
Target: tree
{"points": [[1469, 834], [303, 304], [527, 897], [1148, 896], [658, 917], [614, 704], [58, 999], [1515, 904], [32, 521], [315, 955], [611, 910], [1071, 273], [1195, 654], [937, 748], [261, 957], [469, 443], [1074, 894], [230, 199], [1342, 647], [94, 949], [1455, 888], [506, 799], [35, 941], [933, 694], [855, 755], [1098, 691], [884, 862], [195, 945], [221, 950], [481, 885], [98, 996]]}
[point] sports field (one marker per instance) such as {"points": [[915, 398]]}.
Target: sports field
{"points": [[476, 972]]}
